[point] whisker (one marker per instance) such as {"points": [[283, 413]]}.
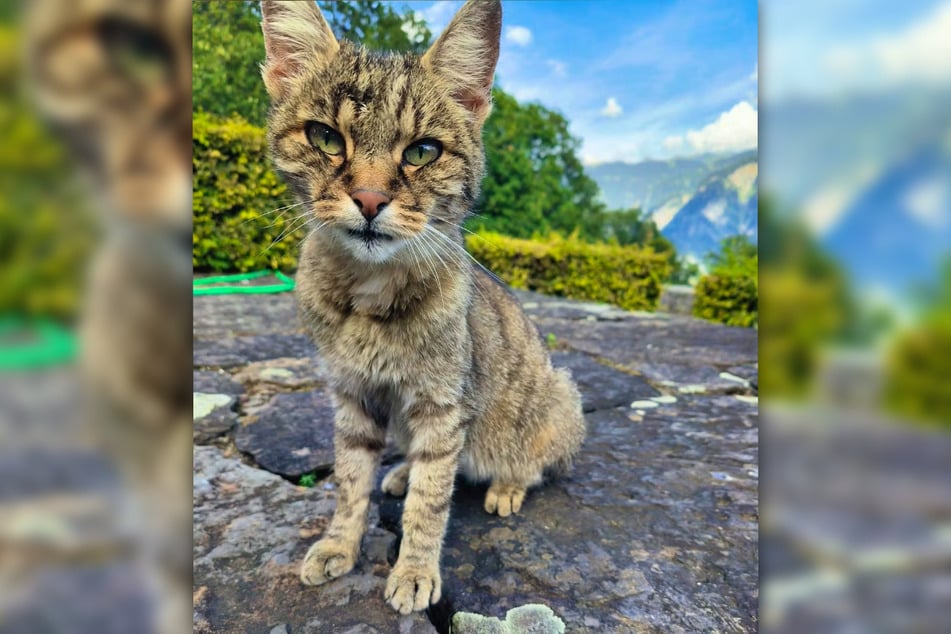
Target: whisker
{"points": [[273, 211], [291, 228]]}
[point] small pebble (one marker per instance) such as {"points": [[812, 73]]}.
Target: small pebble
{"points": [[664, 399], [643, 404], [692, 389], [726, 376]]}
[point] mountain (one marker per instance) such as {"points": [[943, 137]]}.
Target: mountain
{"points": [[870, 174], [657, 185], [725, 205], [894, 236], [695, 201]]}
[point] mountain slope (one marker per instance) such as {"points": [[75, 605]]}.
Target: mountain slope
{"points": [[724, 206], [660, 186], [895, 235]]}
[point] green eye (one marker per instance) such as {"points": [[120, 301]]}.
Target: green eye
{"points": [[422, 152], [324, 138]]}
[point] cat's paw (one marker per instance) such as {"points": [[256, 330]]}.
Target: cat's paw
{"points": [[504, 499], [413, 588], [326, 560], [396, 481]]}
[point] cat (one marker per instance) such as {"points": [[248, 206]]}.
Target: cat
{"points": [[112, 80], [386, 150]]}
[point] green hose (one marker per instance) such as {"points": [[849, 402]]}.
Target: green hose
{"points": [[204, 286], [47, 344]]}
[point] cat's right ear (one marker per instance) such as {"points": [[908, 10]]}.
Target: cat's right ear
{"points": [[466, 54], [296, 37]]}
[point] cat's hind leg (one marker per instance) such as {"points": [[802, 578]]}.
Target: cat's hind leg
{"points": [[396, 480], [504, 499]]}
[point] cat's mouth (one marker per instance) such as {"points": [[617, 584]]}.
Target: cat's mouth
{"points": [[369, 236]]}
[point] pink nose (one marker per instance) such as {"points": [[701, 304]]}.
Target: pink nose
{"points": [[370, 202]]}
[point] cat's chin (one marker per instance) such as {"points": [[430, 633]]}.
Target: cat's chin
{"points": [[371, 248]]}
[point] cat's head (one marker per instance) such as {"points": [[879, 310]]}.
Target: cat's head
{"points": [[385, 147], [113, 79]]}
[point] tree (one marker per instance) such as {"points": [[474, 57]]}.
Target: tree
{"points": [[228, 48], [534, 182]]}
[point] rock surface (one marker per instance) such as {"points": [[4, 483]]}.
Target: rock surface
{"points": [[655, 530]]}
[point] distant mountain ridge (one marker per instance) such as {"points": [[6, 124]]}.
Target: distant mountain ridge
{"points": [[695, 201]]}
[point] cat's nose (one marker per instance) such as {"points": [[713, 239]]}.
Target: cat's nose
{"points": [[370, 202]]}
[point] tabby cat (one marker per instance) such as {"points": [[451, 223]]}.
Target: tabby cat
{"points": [[112, 79], [385, 151]]}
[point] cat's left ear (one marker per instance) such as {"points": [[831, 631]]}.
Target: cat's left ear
{"points": [[466, 54], [296, 38]]}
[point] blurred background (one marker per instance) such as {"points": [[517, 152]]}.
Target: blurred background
{"points": [[855, 335], [853, 229], [95, 316]]}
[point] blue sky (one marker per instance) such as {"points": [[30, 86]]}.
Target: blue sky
{"points": [[636, 79]]}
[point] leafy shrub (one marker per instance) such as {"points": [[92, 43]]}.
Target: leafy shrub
{"points": [[730, 293], [45, 236], [728, 297], [919, 361], [236, 197], [917, 370], [629, 277]]}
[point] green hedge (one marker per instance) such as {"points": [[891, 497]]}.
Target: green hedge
{"points": [[629, 277], [917, 370], [729, 297], [46, 231], [236, 193]]}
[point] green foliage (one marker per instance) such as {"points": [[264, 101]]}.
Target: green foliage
{"points": [[917, 370], [632, 226], [45, 236], [806, 299], [729, 294], [683, 271], [377, 25], [534, 183], [629, 277], [228, 48], [235, 197], [308, 480], [918, 363], [728, 298]]}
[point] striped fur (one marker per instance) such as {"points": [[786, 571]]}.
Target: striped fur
{"points": [[421, 343]]}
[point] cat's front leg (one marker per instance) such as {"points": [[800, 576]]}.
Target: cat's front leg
{"points": [[437, 440], [358, 442]]}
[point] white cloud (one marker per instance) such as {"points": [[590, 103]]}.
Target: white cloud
{"points": [[733, 130], [612, 108], [673, 143], [438, 14], [920, 52], [518, 35], [560, 69]]}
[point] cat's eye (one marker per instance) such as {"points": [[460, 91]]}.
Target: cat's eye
{"points": [[135, 51], [422, 152], [324, 138]]}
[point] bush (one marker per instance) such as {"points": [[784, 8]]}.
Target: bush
{"points": [[917, 370], [236, 193], [629, 277], [729, 297], [729, 294], [45, 235]]}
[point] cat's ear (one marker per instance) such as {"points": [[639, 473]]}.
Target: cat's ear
{"points": [[296, 36], [466, 54]]}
